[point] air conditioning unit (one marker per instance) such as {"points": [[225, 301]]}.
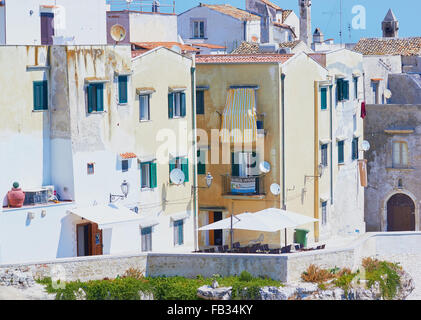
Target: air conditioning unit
{"points": [[36, 196]]}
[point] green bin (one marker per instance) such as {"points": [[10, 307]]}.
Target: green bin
{"points": [[301, 236]]}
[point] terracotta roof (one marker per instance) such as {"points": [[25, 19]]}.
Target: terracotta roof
{"points": [[285, 26], [389, 46], [128, 155], [208, 45], [169, 45], [270, 4], [285, 14], [289, 44], [232, 11], [253, 48], [242, 58]]}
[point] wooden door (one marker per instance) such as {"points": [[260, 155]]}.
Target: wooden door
{"points": [[96, 240], [400, 213]]}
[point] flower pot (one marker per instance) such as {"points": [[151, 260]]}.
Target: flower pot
{"points": [[16, 198]]}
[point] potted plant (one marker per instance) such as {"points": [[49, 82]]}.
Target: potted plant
{"points": [[16, 197]]}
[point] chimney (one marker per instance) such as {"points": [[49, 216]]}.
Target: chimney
{"points": [[305, 21], [318, 36], [155, 6]]}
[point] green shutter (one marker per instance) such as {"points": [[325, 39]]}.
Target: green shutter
{"points": [[170, 105], [152, 175], [40, 95], [341, 152], [339, 90], [183, 104], [122, 89], [200, 102], [201, 167], [100, 97], [37, 96], [185, 169], [345, 88], [172, 166], [235, 167], [91, 92], [323, 94]]}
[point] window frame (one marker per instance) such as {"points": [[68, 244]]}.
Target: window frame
{"points": [[43, 84], [178, 224], [142, 98], [201, 94], [177, 99], [355, 81], [324, 154], [146, 239], [97, 104], [198, 23], [88, 169], [123, 167], [341, 151], [400, 165], [181, 163], [201, 167], [324, 213], [323, 98], [355, 151], [120, 100]]}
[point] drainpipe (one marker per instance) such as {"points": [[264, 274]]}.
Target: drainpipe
{"points": [[316, 160], [284, 203], [331, 141], [194, 145]]}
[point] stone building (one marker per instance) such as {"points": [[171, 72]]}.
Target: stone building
{"points": [[393, 194]]}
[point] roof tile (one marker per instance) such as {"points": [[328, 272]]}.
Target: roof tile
{"points": [[242, 58], [233, 12], [389, 46]]}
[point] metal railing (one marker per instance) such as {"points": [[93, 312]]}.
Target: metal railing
{"points": [[163, 6], [243, 186]]}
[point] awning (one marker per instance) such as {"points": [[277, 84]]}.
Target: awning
{"points": [[145, 90], [108, 215], [239, 117], [96, 80]]}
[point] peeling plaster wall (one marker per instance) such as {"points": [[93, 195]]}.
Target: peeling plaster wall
{"points": [[382, 178]]}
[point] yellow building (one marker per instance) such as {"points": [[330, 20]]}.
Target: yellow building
{"points": [[278, 99]]}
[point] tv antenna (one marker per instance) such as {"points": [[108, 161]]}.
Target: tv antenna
{"points": [[331, 13]]}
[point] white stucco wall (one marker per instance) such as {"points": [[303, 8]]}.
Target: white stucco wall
{"points": [[153, 27], [220, 28], [84, 20]]}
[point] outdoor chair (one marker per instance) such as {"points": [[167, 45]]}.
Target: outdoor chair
{"points": [[220, 249], [274, 251], [236, 245], [225, 248], [297, 247], [323, 246]]}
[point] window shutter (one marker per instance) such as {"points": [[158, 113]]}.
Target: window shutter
{"points": [[122, 89], [339, 89], [44, 95], [340, 151], [100, 97], [200, 102], [172, 166], [153, 177], [91, 92], [37, 103], [235, 167], [183, 104], [324, 98], [170, 105], [345, 88], [201, 166], [185, 169]]}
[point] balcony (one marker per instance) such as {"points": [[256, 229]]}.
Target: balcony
{"points": [[250, 187]]}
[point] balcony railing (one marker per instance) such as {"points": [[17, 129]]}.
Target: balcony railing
{"points": [[243, 186]]}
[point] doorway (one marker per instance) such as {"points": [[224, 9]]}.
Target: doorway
{"points": [[47, 28], [400, 213], [215, 236], [89, 240]]}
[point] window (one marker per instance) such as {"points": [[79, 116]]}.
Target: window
{"points": [[47, 28], [323, 96], [144, 109], [356, 88], [125, 165], [178, 232], [400, 154], [375, 85], [176, 105], [182, 164], [91, 168], [324, 213], [146, 239], [341, 156], [324, 155], [201, 162], [199, 29], [355, 149], [342, 90], [200, 102], [95, 97], [122, 89], [243, 164], [148, 175], [40, 95]]}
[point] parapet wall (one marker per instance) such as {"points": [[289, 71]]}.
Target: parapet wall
{"points": [[285, 267]]}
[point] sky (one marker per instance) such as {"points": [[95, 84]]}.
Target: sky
{"points": [[325, 15]]}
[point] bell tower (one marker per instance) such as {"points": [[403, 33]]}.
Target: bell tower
{"points": [[390, 25], [305, 21]]}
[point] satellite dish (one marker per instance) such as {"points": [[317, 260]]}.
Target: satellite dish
{"points": [[177, 176], [365, 145], [118, 33], [264, 167], [387, 93], [275, 189]]}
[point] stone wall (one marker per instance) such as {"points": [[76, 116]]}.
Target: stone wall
{"points": [[285, 267]]}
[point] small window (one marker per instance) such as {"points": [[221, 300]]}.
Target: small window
{"points": [[125, 165], [176, 105], [200, 102], [355, 149], [201, 162], [324, 155], [400, 154], [342, 90], [341, 156], [199, 29], [40, 95], [95, 97], [122, 89], [324, 213], [144, 102], [323, 96], [182, 164], [178, 232], [146, 239], [356, 88], [148, 175], [91, 168]]}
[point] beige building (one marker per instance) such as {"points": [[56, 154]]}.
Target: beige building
{"points": [[285, 115]]}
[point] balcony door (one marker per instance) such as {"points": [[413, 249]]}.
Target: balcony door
{"points": [[244, 164], [89, 240], [215, 236], [47, 28]]}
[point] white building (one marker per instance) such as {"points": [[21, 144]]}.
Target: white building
{"points": [[46, 22]]}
